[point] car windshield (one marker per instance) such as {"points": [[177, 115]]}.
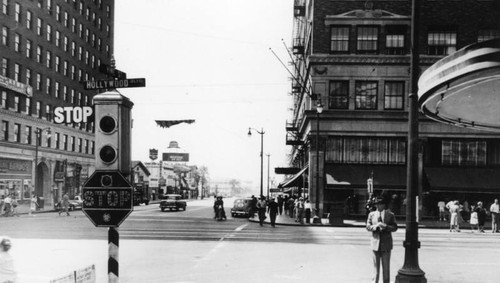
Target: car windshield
{"points": [[172, 197]]}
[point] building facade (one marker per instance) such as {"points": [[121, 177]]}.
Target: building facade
{"points": [[47, 49], [353, 59]]}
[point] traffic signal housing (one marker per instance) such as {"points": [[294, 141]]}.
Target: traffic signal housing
{"points": [[113, 122]]}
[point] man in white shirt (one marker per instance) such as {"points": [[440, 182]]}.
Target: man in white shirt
{"points": [[381, 223], [495, 215]]}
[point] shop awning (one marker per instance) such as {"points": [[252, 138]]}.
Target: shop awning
{"points": [[480, 180], [295, 181], [356, 176]]}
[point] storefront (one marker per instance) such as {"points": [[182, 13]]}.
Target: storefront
{"points": [[16, 178]]}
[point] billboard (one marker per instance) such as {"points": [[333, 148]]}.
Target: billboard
{"points": [[176, 157]]}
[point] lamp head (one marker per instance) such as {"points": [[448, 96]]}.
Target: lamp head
{"points": [[249, 132], [319, 107]]}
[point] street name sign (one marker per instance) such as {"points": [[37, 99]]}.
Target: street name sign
{"points": [[108, 70], [107, 198], [113, 83]]}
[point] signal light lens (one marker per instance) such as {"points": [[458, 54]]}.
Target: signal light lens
{"points": [[107, 154], [107, 124], [106, 180]]}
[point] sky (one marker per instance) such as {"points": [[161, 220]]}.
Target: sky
{"points": [[211, 61]]}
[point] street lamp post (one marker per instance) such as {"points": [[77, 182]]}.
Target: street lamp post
{"points": [[261, 132], [268, 158], [411, 272], [38, 134], [319, 109]]}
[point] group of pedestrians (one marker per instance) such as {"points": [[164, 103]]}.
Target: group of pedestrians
{"points": [[477, 212], [9, 205]]}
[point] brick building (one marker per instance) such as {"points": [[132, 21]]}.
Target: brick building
{"points": [[47, 48], [354, 58]]}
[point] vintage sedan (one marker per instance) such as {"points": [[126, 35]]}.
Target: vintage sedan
{"points": [[241, 207], [172, 201]]}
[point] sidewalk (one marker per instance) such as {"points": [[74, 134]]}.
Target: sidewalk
{"points": [[286, 220]]}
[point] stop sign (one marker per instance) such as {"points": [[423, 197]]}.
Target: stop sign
{"points": [[107, 198]]}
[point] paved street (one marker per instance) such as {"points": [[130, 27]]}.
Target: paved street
{"points": [[190, 246]]}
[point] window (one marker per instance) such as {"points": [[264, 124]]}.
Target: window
{"points": [[65, 142], [366, 150], [367, 40], [28, 48], [65, 68], [49, 6], [487, 34], [58, 64], [5, 67], [49, 33], [38, 81], [464, 153], [79, 144], [58, 13], [27, 105], [338, 97], [16, 103], [29, 20], [38, 112], [27, 134], [73, 48], [5, 36], [441, 42], [72, 143], [48, 58], [86, 146], [39, 54], [5, 7], [17, 42], [66, 19], [73, 73], [395, 40], [57, 137], [73, 25], [39, 26], [5, 131], [48, 112], [72, 96], [366, 95], [92, 147], [17, 132], [65, 44], [57, 89], [3, 102], [17, 72], [65, 93], [17, 16], [29, 80], [58, 38], [48, 86], [394, 95], [339, 39]]}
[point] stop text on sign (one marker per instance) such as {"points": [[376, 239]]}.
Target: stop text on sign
{"points": [[107, 198], [73, 114]]}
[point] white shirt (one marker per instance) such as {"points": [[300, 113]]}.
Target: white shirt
{"points": [[495, 208]]}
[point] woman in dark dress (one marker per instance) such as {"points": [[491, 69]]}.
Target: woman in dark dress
{"points": [[481, 216]]}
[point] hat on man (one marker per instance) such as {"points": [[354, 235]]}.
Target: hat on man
{"points": [[379, 200]]}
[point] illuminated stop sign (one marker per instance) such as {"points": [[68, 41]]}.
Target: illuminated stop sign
{"points": [[107, 198]]}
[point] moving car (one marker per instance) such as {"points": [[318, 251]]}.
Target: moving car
{"points": [[172, 201], [76, 203], [241, 207]]}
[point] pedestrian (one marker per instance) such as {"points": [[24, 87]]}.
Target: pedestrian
{"points": [[65, 204], [454, 211], [253, 206], [442, 213], [474, 221], [7, 270], [495, 210], [381, 223], [261, 207], [308, 209], [272, 210], [285, 205], [7, 205], [481, 216], [14, 205], [300, 210], [280, 204], [33, 205], [291, 206]]}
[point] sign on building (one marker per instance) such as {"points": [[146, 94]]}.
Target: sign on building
{"points": [[176, 157]]}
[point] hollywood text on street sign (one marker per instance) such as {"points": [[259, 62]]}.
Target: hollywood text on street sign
{"points": [[114, 83], [107, 198]]}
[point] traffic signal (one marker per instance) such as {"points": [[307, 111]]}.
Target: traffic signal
{"points": [[113, 122]]}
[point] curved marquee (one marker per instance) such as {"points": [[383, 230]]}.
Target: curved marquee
{"points": [[463, 89]]}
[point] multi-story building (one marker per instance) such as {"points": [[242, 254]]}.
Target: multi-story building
{"points": [[353, 57], [47, 49]]}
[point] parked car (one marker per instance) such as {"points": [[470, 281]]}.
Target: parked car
{"points": [[172, 201], [241, 207]]}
